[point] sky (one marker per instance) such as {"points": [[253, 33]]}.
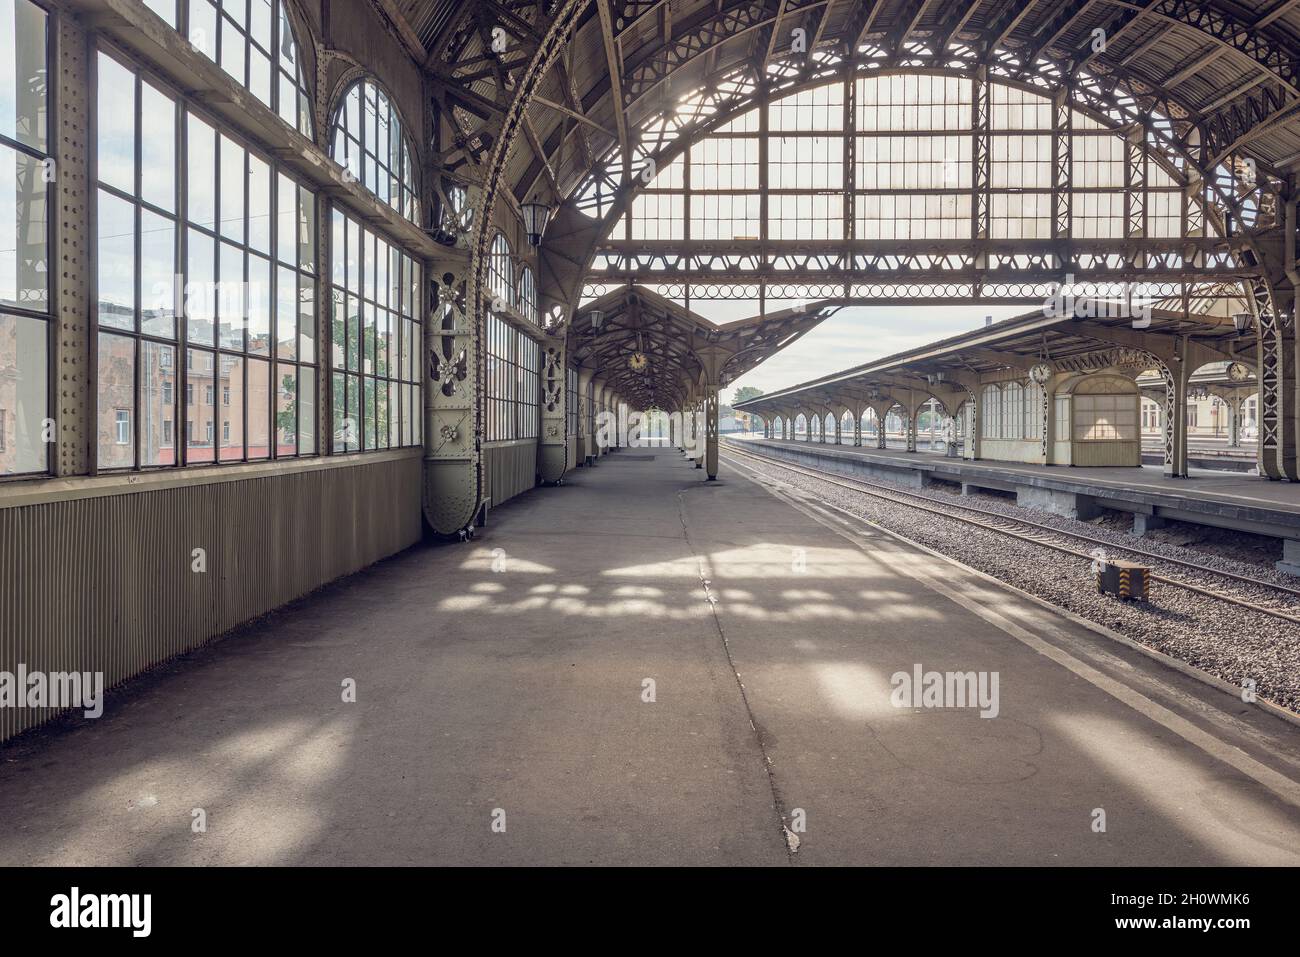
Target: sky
{"points": [[855, 335]]}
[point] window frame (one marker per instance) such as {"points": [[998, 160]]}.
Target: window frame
{"points": [[405, 372], [47, 315], [407, 177], [180, 342], [281, 12]]}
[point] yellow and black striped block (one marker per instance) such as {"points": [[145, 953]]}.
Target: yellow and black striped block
{"points": [[1124, 580]]}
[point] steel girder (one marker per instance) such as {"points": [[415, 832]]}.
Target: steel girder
{"points": [[1270, 292]]}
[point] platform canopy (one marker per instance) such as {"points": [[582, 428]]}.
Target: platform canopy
{"points": [[952, 367], [658, 354]]}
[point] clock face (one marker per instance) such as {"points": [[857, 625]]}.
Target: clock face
{"points": [[1040, 373], [1238, 372], [638, 362]]}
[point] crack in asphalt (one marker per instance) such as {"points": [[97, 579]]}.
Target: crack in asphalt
{"points": [[790, 839]]}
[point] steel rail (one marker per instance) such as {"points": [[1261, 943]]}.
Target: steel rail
{"points": [[941, 508]]}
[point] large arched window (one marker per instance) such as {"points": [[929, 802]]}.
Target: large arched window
{"points": [[870, 158], [24, 238], [368, 140], [913, 172], [254, 42]]}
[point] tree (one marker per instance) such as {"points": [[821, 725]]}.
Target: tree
{"points": [[286, 419], [742, 394]]}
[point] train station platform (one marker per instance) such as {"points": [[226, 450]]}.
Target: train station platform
{"points": [[640, 667], [1207, 497]]}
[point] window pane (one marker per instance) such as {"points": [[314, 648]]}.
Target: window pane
{"points": [[259, 77], [338, 331], [232, 190], [157, 404], [259, 306], [353, 333], [353, 259], [158, 149], [233, 48], [23, 275], [231, 302], [394, 416], [286, 409], [338, 243], [24, 361], [200, 181], [341, 435], [382, 342], [352, 424], [203, 27], [307, 230], [115, 259], [157, 275], [116, 401], [306, 320], [200, 288], [237, 10], [381, 415], [200, 408], [368, 405], [22, 63], [230, 398], [259, 23], [368, 341], [286, 234], [259, 409], [286, 313], [259, 204], [306, 413], [116, 125]]}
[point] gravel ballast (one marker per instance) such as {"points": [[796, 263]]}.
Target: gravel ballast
{"points": [[1228, 641]]}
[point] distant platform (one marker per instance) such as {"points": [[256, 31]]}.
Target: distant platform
{"points": [[1207, 497]]}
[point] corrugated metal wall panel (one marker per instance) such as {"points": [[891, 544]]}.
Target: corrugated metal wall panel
{"points": [[1107, 453], [509, 469], [105, 584]]}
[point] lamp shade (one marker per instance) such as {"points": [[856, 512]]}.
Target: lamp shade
{"points": [[536, 216], [1242, 321]]}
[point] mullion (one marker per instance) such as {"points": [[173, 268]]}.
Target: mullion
{"points": [[245, 300], [180, 437], [135, 279]]}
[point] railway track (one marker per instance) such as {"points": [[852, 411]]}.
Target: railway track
{"points": [[1040, 534]]}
